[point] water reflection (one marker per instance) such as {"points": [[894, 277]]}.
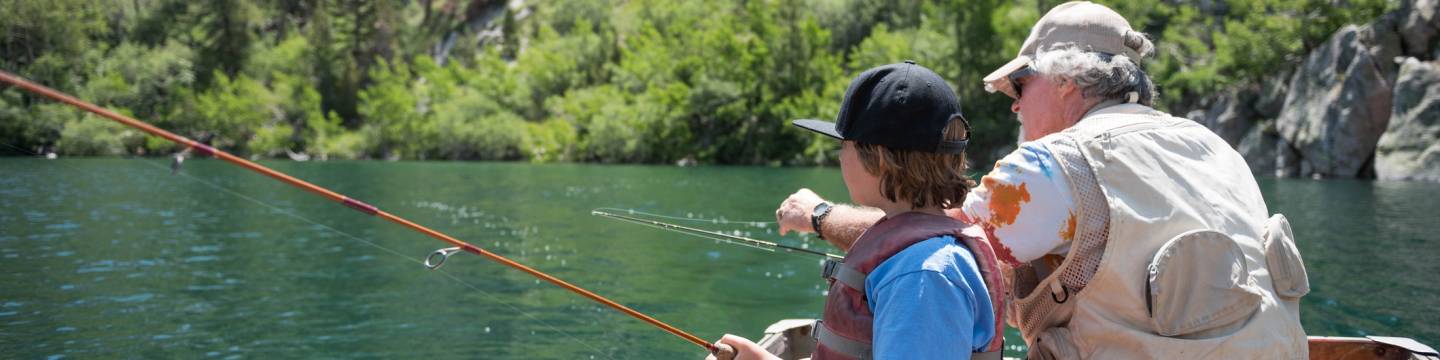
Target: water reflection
{"points": [[1369, 246]]}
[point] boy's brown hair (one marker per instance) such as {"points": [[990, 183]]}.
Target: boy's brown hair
{"points": [[920, 178]]}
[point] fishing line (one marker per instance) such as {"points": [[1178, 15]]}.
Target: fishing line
{"points": [[285, 212], [717, 236], [696, 234], [758, 224]]}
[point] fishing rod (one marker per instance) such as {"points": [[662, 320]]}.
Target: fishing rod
{"points": [[713, 235], [438, 256]]}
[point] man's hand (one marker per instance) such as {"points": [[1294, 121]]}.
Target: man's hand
{"points": [[744, 348], [794, 212]]}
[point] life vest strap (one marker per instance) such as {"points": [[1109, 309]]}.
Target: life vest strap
{"points": [[862, 351], [835, 342], [991, 355], [835, 270]]}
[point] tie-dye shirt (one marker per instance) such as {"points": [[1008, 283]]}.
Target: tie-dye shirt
{"points": [[1025, 206]]}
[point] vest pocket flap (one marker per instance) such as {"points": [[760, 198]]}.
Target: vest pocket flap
{"points": [[1287, 269], [1053, 344], [1199, 286]]}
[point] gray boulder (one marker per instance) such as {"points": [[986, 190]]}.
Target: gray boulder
{"points": [[1271, 99], [1410, 146], [1267, 153], [1287, 161], [1331, 111], [1339, 101], [1230, 115], [1419, 26], [1258, 147]]}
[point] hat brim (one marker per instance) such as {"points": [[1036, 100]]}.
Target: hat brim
{"points": [[995, 77], [820, 126]]}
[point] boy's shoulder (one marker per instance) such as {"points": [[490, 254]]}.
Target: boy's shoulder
{"points": [[942, 254]]}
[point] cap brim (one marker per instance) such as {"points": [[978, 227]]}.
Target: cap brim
{"points": [[1010, 67], [820, 126]]}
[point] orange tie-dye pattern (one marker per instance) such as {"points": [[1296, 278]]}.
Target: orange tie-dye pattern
{"points": [[1004, 205], [1002, 252], [1067, 232], [1005, 201]]}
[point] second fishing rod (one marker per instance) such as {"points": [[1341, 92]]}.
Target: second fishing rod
{"points": [[714, 235]]}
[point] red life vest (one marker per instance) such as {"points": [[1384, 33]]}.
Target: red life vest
{"points": [[845, 330]]}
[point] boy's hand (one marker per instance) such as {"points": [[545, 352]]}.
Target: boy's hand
{"points": [[794, 212], [744, 349]]}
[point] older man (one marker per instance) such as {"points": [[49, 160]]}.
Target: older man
{"points": [[1129, 233]]}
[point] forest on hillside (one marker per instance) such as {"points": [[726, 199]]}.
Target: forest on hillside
{"points": [[634, 81]]}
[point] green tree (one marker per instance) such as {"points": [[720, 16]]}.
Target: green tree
{"points": [[584, 80], [1203, 47], [229, 113], [228, 32], [50, 41], [389, 107]]}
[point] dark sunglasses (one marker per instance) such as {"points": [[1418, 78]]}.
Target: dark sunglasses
{"points": [[1014, 79]]}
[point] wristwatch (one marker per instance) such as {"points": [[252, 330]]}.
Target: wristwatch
{"points": [[818, 216]]}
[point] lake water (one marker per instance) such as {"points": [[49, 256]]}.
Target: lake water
{"points": [[119, 258]]}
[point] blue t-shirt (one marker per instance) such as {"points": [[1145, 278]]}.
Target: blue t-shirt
{"points": [[929, 302]]}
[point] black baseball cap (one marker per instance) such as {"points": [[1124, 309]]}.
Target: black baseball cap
{"points": [[900, 106]]}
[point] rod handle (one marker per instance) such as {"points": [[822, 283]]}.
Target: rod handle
{"points": [[724, 352]]}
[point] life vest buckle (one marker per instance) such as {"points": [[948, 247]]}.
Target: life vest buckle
{"points": [[829, 271]]}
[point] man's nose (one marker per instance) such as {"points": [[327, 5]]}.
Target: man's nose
{"points": [[1015, 106]]}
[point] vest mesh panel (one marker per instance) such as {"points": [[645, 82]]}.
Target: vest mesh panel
{"points": [[1092, 224], [1092, 228]]}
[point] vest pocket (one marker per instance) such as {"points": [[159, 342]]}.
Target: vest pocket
{"points": [[1287, 269], [1053, 344], [1199, 286]]}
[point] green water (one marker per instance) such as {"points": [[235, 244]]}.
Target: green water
{"points": [[119, 258]]}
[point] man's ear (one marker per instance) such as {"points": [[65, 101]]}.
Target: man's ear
{"points": [[1068, 88]]}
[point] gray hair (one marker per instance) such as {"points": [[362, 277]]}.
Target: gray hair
{"points": [[1099, 76]]}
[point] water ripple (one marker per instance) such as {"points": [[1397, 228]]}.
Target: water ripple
{"points": [[66, 225], [205, 248], [201, 258], [134, 298], [35, 216], [99, 266]]}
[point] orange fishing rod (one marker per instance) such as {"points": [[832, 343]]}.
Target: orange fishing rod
{"points": [[352, 203]]}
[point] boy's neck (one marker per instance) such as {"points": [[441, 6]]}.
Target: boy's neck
{"points": [[893, 209]]}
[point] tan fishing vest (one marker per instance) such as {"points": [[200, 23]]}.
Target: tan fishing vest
{"points": [[1173, 256]]}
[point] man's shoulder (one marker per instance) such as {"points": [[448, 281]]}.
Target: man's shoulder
{"points": [[1023, 202], [1117, 117], [1031, 161]]}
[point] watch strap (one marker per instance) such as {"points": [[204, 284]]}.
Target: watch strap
{"points": [[817, 217]]}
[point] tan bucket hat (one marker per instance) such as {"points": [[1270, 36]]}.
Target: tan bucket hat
{"points": [[1082, 24]]}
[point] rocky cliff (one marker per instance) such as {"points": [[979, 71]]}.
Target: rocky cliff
{"points": [[1366, 103], [1410, 147]]}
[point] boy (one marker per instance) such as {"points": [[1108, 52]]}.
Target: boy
{"points": [[918, 284]]}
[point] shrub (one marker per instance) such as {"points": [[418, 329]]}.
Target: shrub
{"points": [[90, 135]]}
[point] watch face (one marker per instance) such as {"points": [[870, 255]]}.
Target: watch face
{"points": [[815, 216]]}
